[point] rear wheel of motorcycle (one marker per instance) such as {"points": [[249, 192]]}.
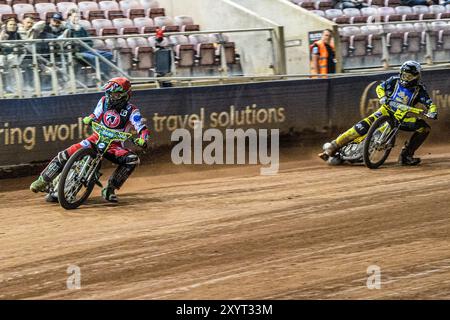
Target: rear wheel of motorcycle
{"points": [[375, 151], [70, 168]]}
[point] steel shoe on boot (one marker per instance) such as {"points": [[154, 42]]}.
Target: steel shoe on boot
{"points": [[329, 149], [406, 159], [109, 195], [40, 185], [51, 197]]}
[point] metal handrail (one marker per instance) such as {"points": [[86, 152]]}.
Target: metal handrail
{"points": [[143, 35], [29, 45]]}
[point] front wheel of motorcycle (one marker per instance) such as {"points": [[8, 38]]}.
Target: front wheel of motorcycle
{"points": [[74, 186], [379, 142]]}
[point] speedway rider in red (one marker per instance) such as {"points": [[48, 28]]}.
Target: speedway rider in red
{"points": [[115, 112]]}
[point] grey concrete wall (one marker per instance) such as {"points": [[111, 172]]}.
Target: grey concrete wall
{"points": [[255, 50], [297, 23]]}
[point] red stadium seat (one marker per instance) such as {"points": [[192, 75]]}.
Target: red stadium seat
{"points": [[229, 47], [108, 32], [186, 23], [144, 24], [45, 10], [99, 24], [6, 12], [24, 8], [132, 9], [166, 22], [125, 26], [155, 12], [111, 9], [149, 4], [183, 51], [143, 52], [204, 49], [65, 6], [86, 24]]}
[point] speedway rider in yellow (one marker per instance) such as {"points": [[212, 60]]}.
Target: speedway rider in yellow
{"points": [[406, 88]]}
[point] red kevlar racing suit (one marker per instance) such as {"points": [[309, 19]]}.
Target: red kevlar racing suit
{"points": [[122, 120]]}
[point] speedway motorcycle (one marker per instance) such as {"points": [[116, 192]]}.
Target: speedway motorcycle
{"points": [[82, 171], [380, 139]]}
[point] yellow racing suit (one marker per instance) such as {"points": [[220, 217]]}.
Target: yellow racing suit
{"points": [[393, 90]]}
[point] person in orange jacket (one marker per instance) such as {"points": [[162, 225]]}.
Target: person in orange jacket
{"points": [[323, 59]]}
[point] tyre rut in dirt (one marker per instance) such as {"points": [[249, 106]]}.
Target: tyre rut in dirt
{"points": [[77, 156], [379, 123]]}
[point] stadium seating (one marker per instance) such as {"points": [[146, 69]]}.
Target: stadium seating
{"points": [[45, 10], [183, 51], [204, 49], [134, 17], [361, 42]]}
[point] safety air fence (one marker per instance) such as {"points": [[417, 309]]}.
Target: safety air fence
{"points": [[34, 129]]}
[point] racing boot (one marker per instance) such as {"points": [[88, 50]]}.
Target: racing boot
{"points": [[329, 149], [50, 172], [51, 197], [109, 194], [406, 158], [417, 139], [40, 185]]}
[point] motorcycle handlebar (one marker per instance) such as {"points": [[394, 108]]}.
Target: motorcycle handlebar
{"points": [[131, 138]]}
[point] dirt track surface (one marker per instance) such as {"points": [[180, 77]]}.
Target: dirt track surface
{"points": [[309, 232]]}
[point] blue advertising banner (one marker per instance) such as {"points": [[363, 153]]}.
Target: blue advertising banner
{"points": [[34, 130]]}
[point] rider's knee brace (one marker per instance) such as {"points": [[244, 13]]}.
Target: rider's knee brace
{"points": [[362, 127], [127, 164], [349, 135], [55, 166]]}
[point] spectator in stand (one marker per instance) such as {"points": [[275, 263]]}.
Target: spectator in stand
{"points": [[7, 57], [346, 4], [75, 30], [9, 30], [48, 30], [159, 37], [26, 27]]}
